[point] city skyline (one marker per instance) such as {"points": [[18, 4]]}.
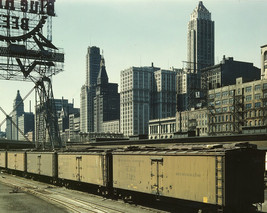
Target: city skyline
{"points": [[136, 33]]}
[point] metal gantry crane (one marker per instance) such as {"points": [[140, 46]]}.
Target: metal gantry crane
{"points": [[27, 55]]}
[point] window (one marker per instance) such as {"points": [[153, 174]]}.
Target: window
{"points": [[257, 104], [257, 96], [211, 96], [218, 103], [225, 101], [211, 103], [218, 110], [225, 93], [248, 98], [231, 92], [248, 89], [257, 87], [218, 95], [224, 109], [231, 100], [248, 106]]}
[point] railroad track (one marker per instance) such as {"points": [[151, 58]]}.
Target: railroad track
{"points": [[69, 199]]}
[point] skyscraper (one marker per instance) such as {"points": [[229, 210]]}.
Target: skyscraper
{"points": [[93, 59], [20, 121], [135, 104], [18, 110], [200, 39], [107, 100], [88, 90]]}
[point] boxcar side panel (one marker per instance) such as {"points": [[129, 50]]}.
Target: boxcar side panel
{"points": [[41, 163], [190, 178], [16, 161], [82, 167], [93, 169], [3, 159], [183, 177], [132, 172]]}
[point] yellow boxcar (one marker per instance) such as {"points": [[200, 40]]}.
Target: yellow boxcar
{"points": [[89, 167], [218, 177], [3, 159], [16, 160], [42, 163], [171, 176]]}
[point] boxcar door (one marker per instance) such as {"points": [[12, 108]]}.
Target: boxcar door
{"points": [[156, 175], [78, 167]]}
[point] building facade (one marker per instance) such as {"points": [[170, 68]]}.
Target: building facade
{"points": [[106, 101], [112, 126], [192, 122], [264, 62], [200, 39], [88, 91], [26, 125], [238, 108], [18, 110], [226, 72], [20, 123], [146, 93], [163, 103], [162, 128], [136, 86]]}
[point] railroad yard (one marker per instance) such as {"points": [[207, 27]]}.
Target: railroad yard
{"points": [[19, 194], [208, 177], [64, 200]]}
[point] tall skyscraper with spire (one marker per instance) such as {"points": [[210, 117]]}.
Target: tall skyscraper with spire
{"points": [[106, 101], [18, 110], [88, 91], [200, 39], [19, 122]]}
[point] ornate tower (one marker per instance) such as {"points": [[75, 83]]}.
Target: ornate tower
{"points": [[200, 39]]}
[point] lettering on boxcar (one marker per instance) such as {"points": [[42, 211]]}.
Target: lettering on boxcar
{"points": [[185, 174]]}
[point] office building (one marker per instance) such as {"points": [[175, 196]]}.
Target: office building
{"points": [[147, 93], [20, 122], [135, 99], [18, 110], [200, 39], [200, 54], [192, 122], [238, 108], [106, 101], [26, 125], [226, 72], [12, 122], [162, 128], [163, 96], [88, 91]]}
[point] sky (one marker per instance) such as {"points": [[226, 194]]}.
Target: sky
{"points": [[137, 33]]}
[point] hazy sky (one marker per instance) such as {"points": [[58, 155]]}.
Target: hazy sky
{"points": [[138, 32]]}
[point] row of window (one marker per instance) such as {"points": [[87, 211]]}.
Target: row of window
{"points": [[231, 92]]}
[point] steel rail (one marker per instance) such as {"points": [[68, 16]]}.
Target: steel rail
{"points": [[61, 199]]}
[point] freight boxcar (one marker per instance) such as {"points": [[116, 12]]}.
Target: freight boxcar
{"points": [[3, 160], [42, 163], [222, 177], [86, 167], [16, 161]]}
